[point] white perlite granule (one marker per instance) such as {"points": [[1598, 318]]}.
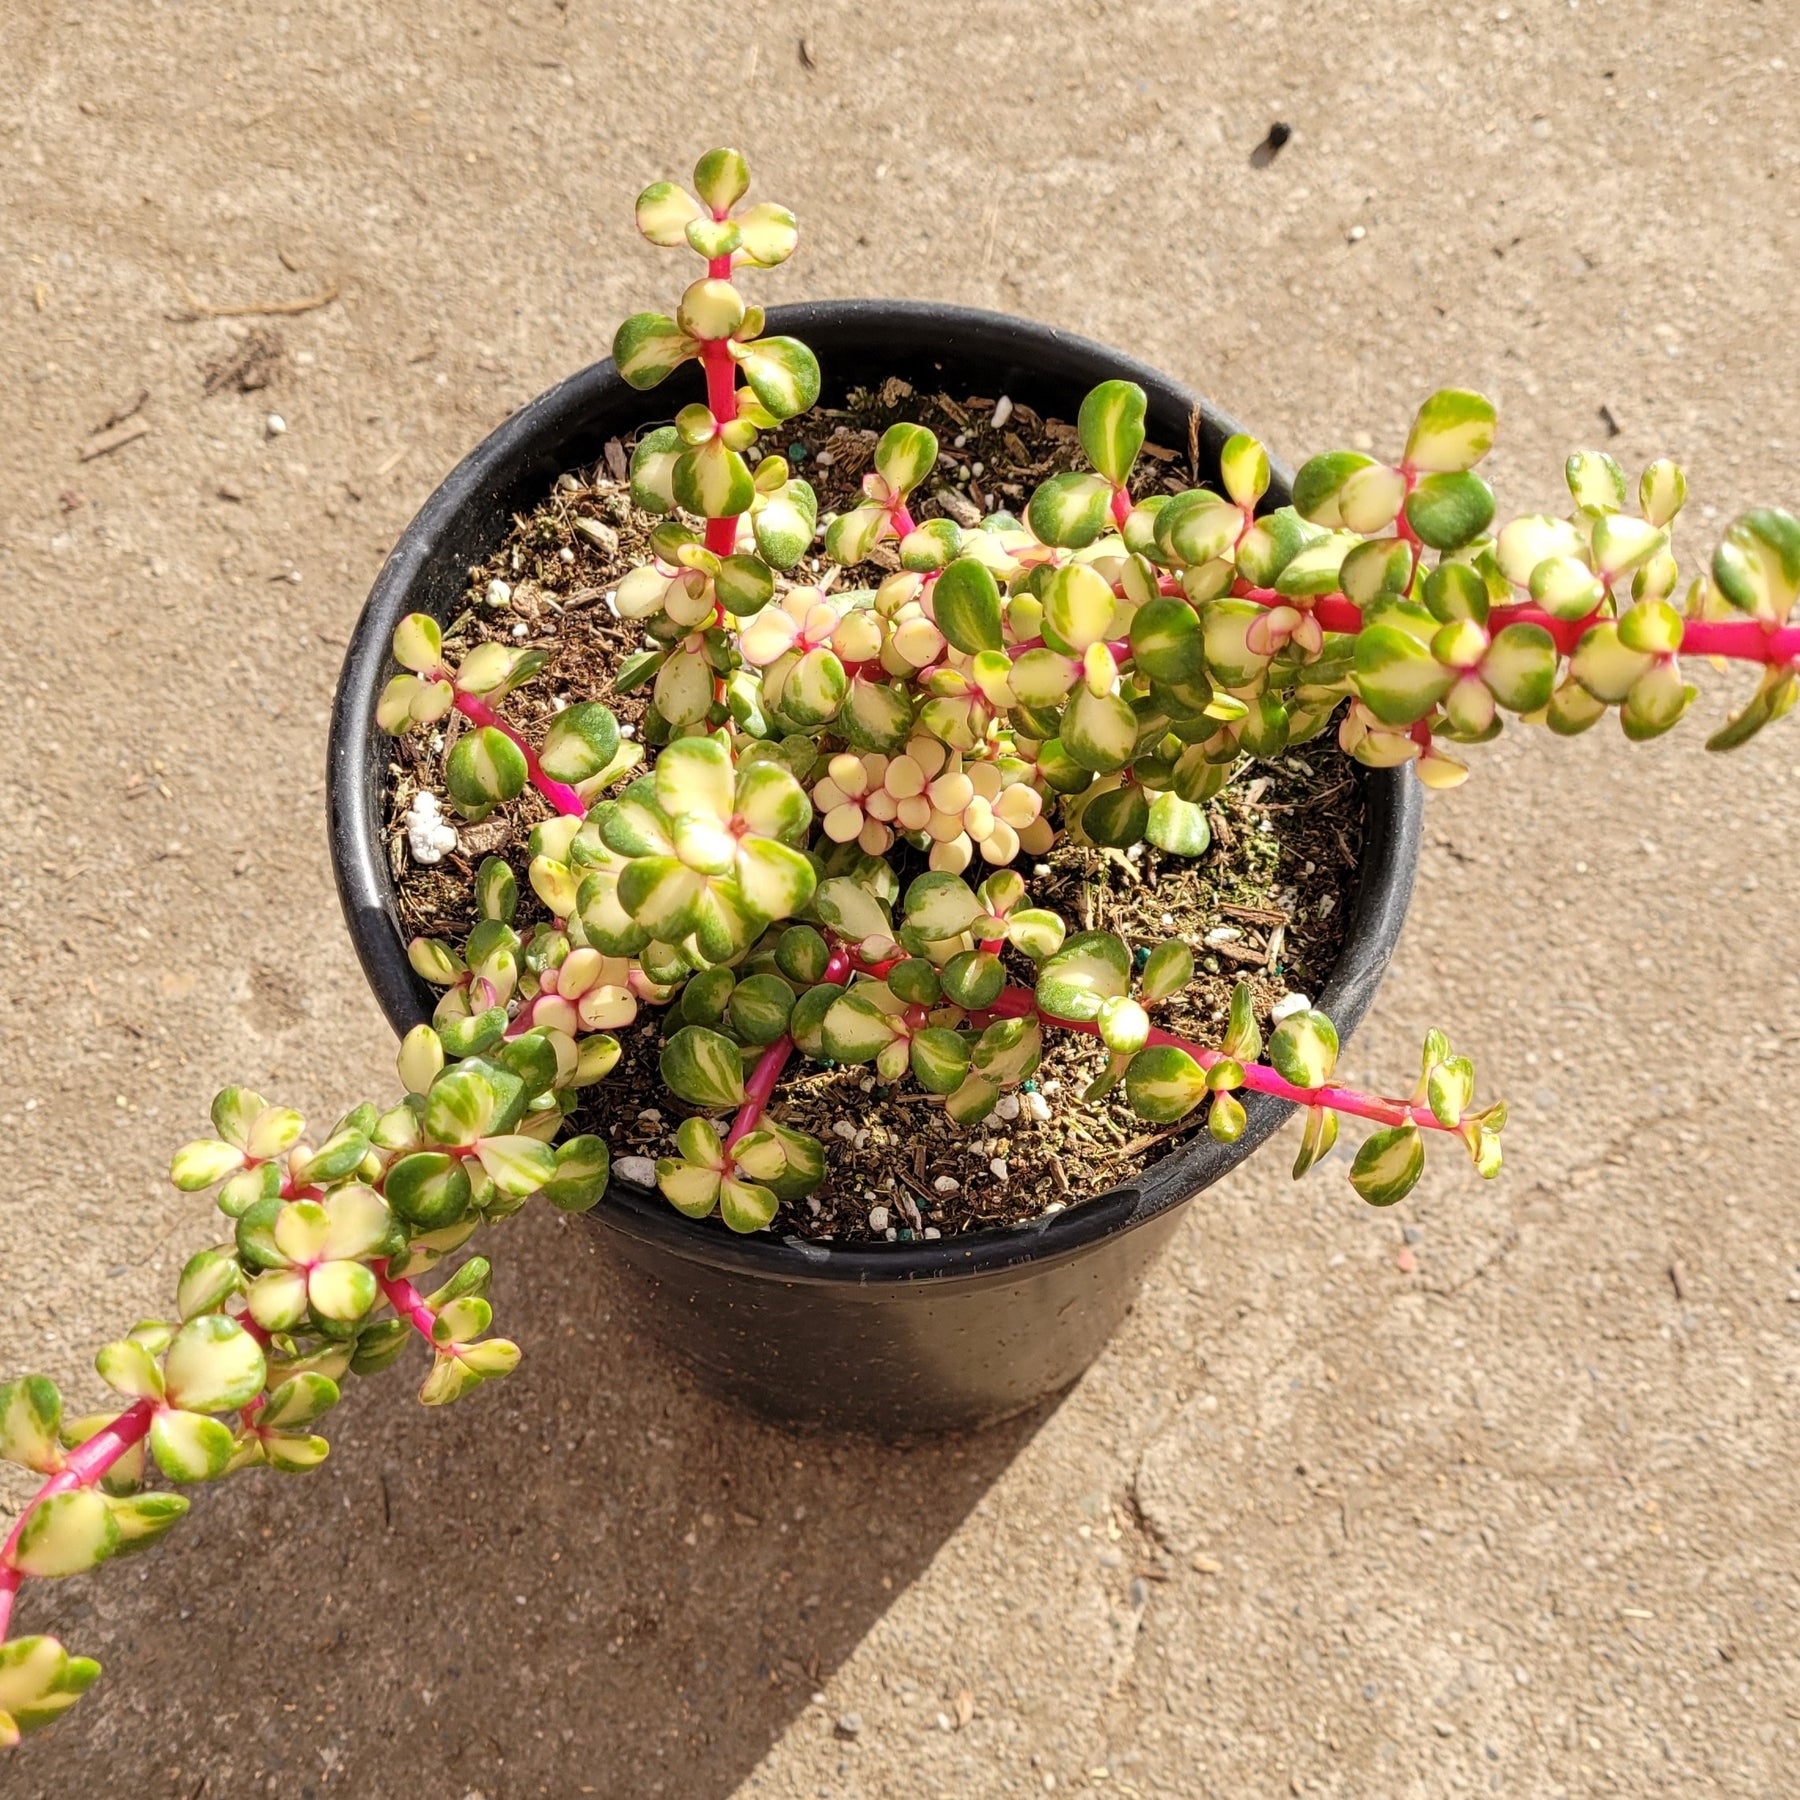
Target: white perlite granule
{"points": [[429, 836]]}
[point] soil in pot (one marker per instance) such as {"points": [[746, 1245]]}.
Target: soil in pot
{"points": [[1266, 903]]}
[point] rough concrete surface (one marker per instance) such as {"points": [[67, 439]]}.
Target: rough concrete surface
{"points": [[1519, 1519]]}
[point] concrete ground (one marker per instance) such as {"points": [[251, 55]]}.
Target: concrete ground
{"points": [[1495, 1493]]}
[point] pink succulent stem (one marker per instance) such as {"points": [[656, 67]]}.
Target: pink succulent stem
{"points": [[406, 1300], [85, 1465], [1121, 505], [1016, 1003], [774, 1059], [1742, 640], [721, 397], [903, 521], [560, 795]]}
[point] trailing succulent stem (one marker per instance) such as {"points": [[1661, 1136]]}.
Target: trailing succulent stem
{"points": [[808, 850]]}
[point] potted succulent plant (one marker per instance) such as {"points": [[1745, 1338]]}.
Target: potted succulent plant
{"points": [[883, 796]]}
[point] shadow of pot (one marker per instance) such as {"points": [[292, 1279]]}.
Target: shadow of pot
{"points": [[894, 1339]]}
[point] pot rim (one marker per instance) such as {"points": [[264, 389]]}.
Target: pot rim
{"points": [[517, 447]]}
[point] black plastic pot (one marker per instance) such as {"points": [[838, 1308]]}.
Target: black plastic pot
{"points": [[897, 1338]]}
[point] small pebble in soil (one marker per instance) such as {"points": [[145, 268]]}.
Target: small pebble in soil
{"points": [[878, 1218], [565, 555], [1003, 410], [931, 1231], [796, 452], [1037, 1108], [946, 1184], [650, 1116], [1007, 1106], [844, 1129], [638, 1169], [998, 1166], [1287, 1006], [275, 425], [521, 629], [499, 593]]}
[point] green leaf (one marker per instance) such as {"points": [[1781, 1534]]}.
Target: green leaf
{"points": [[485, 766], [129, 1369], [905, 455], [940, 1059], [1304, 1049], [1177, 826], [973, 1100], [691, 1189], [1116, 817], [1526, 542], [1166, 644], [30, 1419], [517, 1165], [1450, 510], [1596, 481], [703, 1068], [1196, 527], [1452, 431], [966, 606], [213, 1365], [1008, 1050], [940, 906], [1226, 1119], [746, 1206], [721, 179], [142, 1519], [1388, 1165], [1320, 482], [67, 1534], [1316, 1138], [1163, 1084], [1036, 932], [649, 347], [783, 373], [1772, 698], [1244, 469], [1604, 666], [583, 1166], [767, 233], [1757, 566], [1093, 966], [1099, 731], [972, 979], [709, 309], [419, 644], [208, 1279], [1111, 427], [1070, 510], [857, 1028], [758, 1009], [664, 212], [1398, 678], [188, 1446], [1520, 667], [581, 741], [470, 1101], [1243, 1040], [1169, 969], [201, 1163], [1662, 491], [712, 480]]}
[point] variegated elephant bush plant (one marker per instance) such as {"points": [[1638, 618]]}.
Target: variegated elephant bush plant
{"points": [[817, 845]]}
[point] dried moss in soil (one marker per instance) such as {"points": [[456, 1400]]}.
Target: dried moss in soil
{"points": [[1266, 903]]}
